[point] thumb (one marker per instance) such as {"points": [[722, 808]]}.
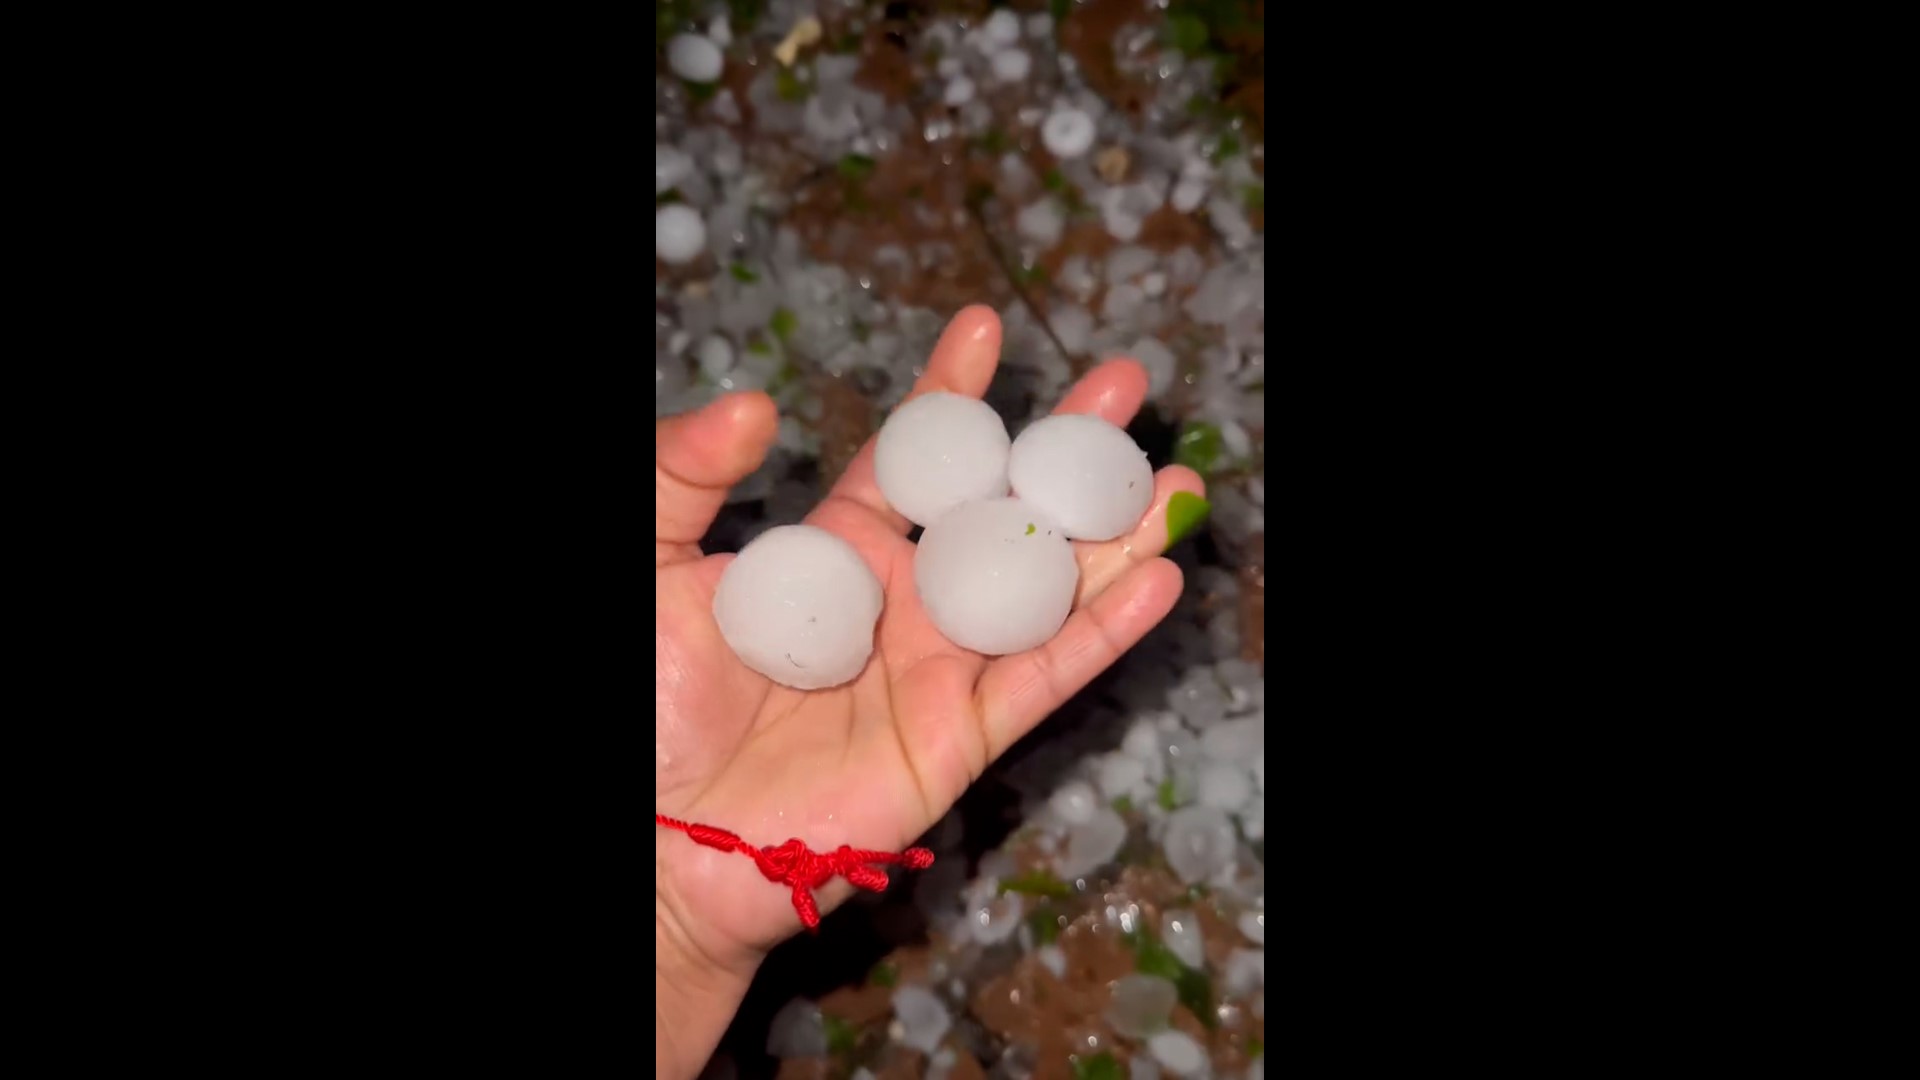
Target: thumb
{"points": [[697, 456]]}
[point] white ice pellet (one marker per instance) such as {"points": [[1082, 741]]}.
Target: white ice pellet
{"points": [[797, 1031], [1254, 925], [1189, 193], [923, 1017], [1224, 784], [1142, 741], [1199, 842], [1141, 1005], [1253, 818], [938, 451], [695, 58], [1119, 775], [679, 234], [671, 165], [996, 920], [1011, 65], [1159, 361], [716, 357], [1042, 223], [1235, 740], [1093, 844], [1235, 440], [1003, 27], [996, 576], [1068, 133], [798, 605], [1154, 284], [1083, 472], [1075, 802], [1181, 931], [1177, 1051], [959, 91], [1054, 959], [720, 32], [1246, 971]]}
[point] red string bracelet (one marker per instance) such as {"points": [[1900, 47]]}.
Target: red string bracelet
{"points": [[795, 864]]}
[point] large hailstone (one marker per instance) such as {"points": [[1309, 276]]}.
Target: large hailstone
{"points": [[695, 58], [1085, 473], [938, 451], [996, 576], [798, 605], [679, 234]]}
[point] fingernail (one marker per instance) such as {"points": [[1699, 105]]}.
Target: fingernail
{"points": [[1185, 512]]}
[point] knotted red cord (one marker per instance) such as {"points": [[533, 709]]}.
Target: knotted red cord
{"points": [[795, 864]]}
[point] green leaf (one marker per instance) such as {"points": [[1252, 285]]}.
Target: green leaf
{"points": [[783, 325], [1255, 1047], [856, 167], [1037, 883], [1168, 800], [759, 347], [667, 198], [1055, 181], [1123, 804], [884, 974], [745, 13], [1059, 9], [841, 1036], [1029, 528], [1198, 447], [1045, 924], [788, 85], [742, 272], [1101, 1066], [1256, 196], [701, 91], [1229, 145], [1195, 989], [1187, 33], [995, 142]]}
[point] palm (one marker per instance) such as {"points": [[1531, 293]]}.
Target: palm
{"points": [[877, 761]]}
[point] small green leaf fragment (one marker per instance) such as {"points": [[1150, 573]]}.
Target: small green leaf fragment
{"points": [[783, 325], [1198, 447], [856, 167], [1166, 797], [1029, 528], [1256, 195], [1187, 33], [1255, 1047], [1101, 1066], [1228, 147], [743, 272], [1123, 804], [884, 974], [1045, 924], [1185, 512], [841, 1036], [701, 91], [1036, 883], [788, 85]]}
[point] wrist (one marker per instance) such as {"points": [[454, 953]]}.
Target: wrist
{"points": [[695, 995]]}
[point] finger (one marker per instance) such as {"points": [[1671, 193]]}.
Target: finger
{"points": [[1017, 692], [697, 456], [963, 363], [1114, 392], [1164, 524]]}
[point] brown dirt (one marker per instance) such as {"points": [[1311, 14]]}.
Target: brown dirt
{"points": [[1253, 600], [858, 1005], [846, 422], [1087, 34], [814, 1068]]}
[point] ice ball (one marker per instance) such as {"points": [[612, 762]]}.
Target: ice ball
{"points": [[679, 235], [1083, 472], [938, 451], [996, 576], [1067, 133], [695, 58], [798, 605]]}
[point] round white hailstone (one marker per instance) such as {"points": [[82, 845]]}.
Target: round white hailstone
{"points": [[1120, 774], [1254, 925], [959, 91], [671, 165], [1246, 971], [1181, 931], [1199, 842], [720, 32], [1011, 65], [996, 576], [679, 235], [798, 605], [1092, 845], [1224, 784], [1141, 1005], [1068, 133], [1178, 1052], [1083, 472], [1054, 958], [716, 357], [1253, 818], [1235, 740], [924, 1018], [938, 451], [695, 58], [1075, 801], [1003, 27]]}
